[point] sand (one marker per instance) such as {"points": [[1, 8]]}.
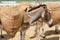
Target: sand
{"points": [[49, 32]]}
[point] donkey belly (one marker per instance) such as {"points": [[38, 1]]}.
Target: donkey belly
{"points": [[11, 26]]}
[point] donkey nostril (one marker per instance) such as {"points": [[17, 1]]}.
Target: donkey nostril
{"points": [[49, 13]]}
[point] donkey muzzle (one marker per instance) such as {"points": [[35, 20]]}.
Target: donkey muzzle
{"points": [[50, 23]]}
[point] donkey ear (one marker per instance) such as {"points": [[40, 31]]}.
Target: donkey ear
{"points": [[35, 12]]}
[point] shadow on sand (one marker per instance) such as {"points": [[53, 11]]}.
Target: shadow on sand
{"points": [[51, 32], [53, 38], [6, 37]]}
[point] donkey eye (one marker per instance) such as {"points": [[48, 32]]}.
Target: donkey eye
{"points": [[49, 13]]}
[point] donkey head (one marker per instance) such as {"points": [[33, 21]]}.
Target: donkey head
{"points": [[46, 17]]}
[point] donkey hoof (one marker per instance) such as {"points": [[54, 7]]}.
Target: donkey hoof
{"points": [[56, 32], [2, 36], [43, 36]]}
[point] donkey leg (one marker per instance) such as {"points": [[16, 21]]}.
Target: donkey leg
{"points": [[56, 29], [37, 32], [43, 31], [22, 35], [23, 31], [1, 32]]}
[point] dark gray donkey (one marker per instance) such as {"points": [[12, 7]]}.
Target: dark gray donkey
{"points": [[36, 13], [53, 18]]}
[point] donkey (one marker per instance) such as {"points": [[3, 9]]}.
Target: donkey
{"points": [[33, 16], [52, 18], [37, 14], [7, 12]]}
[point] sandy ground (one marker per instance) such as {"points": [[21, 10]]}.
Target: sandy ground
{"points": [[49, 32]]}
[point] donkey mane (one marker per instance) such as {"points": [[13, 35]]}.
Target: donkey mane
{"points": [[41, 5]]}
